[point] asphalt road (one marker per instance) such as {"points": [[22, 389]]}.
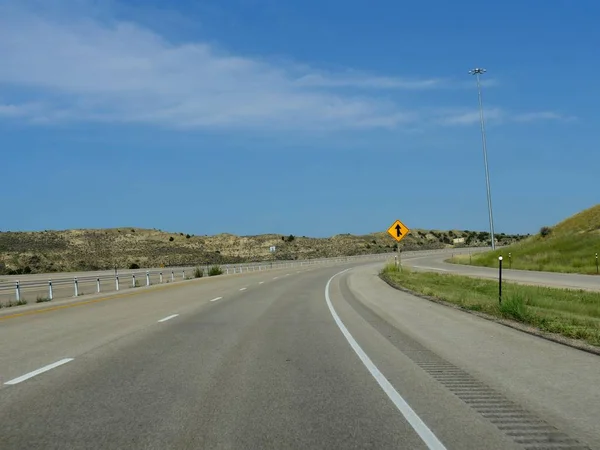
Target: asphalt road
{"points": [[435, 263], [271, 360]]}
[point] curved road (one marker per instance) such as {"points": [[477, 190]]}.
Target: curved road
{"points": [[436, 263], [324, 358]]}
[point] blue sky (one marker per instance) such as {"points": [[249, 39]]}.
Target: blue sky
{"points": [[305, 117]]}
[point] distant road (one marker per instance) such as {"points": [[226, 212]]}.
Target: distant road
{"points": [[319, 357], [435, 263]]}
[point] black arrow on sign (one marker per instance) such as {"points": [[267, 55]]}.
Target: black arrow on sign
{"points": [[398, 231]]}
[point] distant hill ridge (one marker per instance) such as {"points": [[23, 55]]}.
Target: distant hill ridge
{"points": [[95, 249]]}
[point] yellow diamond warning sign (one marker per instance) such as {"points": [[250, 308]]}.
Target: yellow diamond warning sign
{"points": [[398, 230]]}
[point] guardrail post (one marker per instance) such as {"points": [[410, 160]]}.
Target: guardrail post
{"points": [[76, 284], [172, 275], [147, 278], [161, 278], [499, 279], [117, 282], [133, 280], [18, 291], [98, 284], [50, 292]]}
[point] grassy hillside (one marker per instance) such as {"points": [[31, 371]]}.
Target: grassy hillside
{"points": [[70, 250], [569, 246]]}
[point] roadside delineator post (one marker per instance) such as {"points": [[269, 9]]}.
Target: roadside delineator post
{"points": [[147, 278], [172, 276], [161, 279], [183, 275], [133, 280], [18, 291], [596, 262], [98, 284], [50, 292], [500, 279], [117, 282], [76, 285], [509, 260]]}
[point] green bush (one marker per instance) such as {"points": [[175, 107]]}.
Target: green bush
{"points": [[134, 266], [171, 239], [215, 270], [198, 272], [545, 231]]}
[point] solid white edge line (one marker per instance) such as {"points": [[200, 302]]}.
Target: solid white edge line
{"points": [[431, 268], [215, 299], [39, 371], [426, 435], [168, 318]]}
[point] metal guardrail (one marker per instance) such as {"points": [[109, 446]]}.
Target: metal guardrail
{"points": [[63, 287], [50, 288]]}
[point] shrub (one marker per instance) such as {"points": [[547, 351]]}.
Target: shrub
{"points": [[132, 230], [215, 270], [290, 238], [545, 231], [134, 266], [171, 239], [198, 272], [187, 236]]}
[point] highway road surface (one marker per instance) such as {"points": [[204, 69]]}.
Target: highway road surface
{"points": [[322, 357], [436, 263]]}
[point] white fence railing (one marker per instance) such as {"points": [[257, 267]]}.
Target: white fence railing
{"points": [[45, 287], [34, 288]]}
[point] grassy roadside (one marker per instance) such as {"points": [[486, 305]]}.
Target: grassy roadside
{"points": [[567, 253], [570, 313]]}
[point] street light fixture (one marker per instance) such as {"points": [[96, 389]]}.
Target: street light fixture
{"points": [[477, 72]]}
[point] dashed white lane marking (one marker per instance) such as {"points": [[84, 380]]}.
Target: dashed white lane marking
{"points": [[426, 435], [261, 282], [29, 375], [215, 299], [168, 318], [243, 289], [275, 278]]}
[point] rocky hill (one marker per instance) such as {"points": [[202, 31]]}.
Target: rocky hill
{"points": [[89, 249]]}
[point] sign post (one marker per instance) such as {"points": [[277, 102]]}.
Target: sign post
{"points": [[398, 231]]}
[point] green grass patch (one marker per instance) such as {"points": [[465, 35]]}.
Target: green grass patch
{"points": [[567, 253], [571, 313], [570, 247], [42, 299], [198, 272], [215, 270]]}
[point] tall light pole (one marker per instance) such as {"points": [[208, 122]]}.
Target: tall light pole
{"points": [[477, 72]]}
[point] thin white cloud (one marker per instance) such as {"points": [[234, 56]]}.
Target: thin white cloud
{"points": [[365, 81], [542, 115], [469, 117], [124, 73], [67, 66]]}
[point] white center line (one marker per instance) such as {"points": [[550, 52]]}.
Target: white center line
{"points": [[275, 278], [426, 435], [37, 372], [215, 299], [242, 289], [261, 282], [168, 318]]}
